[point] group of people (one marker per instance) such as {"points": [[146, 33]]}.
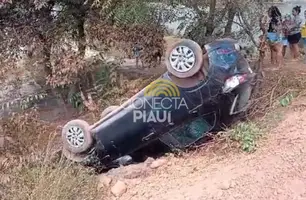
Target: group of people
{"points": [[283, 31]]}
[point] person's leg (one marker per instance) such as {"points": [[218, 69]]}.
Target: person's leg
{"points": [[279, 54], [272, 51], [284, 47], [298, 37], [284, 50], [291, 50], [137, 61], [291, 41], [304, 47], [296, 51]]}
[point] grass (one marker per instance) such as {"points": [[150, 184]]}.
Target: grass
{"points": [[29, 171], [49, 181]]}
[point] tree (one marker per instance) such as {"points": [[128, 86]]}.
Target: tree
{"points": [[59, 32], [215, 18]]}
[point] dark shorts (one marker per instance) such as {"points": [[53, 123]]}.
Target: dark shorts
{"points": [[295, 38]]}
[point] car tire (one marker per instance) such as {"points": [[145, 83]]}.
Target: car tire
{"points": [[107, 110], [177, 60], [78, 158], [76, 136]]}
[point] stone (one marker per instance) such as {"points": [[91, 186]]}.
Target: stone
{"points": [[119, 189], [149, 161], [104, 181], [133, 182], [129, 172], [226, 185], [158, 163]]}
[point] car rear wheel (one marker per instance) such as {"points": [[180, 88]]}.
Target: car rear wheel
{"points": [[76, 136], [184, 59], [108, 110]]}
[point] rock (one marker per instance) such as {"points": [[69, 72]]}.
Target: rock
{"points": [[226, 185], [130, 171], [134, 182], [149, 161], [158, 163], [119, 189], [104, 181]]}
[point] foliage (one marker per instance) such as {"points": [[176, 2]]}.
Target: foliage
{"points": [[246, 134], [285, 101], [204, 21], [133, 12], [60, 32]]}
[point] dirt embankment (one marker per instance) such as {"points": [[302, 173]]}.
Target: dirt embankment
{"points": [[275, 171]]}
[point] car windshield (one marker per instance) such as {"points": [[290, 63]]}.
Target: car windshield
{"points": [[191, 132]]}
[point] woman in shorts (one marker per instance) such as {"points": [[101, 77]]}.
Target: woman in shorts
{"points": [[274, 36], [294, 35]]}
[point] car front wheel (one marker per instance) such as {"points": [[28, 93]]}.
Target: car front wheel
{"points": [[76, 136]]}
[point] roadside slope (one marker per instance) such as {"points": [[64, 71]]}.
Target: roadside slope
{"points": [[277, 170]]}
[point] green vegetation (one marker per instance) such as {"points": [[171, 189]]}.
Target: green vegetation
{"points": [[246, 134]]}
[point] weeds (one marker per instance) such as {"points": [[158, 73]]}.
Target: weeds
{"points": [[35, 180], [246, 134], [286, 101], [29, 168]]}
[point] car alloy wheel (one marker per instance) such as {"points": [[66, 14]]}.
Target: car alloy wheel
{"points": [[184, 59], [76, 136]]}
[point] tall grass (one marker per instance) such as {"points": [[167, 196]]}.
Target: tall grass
{"points": [[29, 170]]}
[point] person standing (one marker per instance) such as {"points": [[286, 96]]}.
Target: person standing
{"points": [[136, 51], [294, 29], [274, 35]]}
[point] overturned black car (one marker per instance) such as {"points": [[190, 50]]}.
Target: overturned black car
{"points": [[201, 89]]}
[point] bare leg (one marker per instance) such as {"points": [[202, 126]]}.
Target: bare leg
{"points": [[137, 61], [296, 51], [279, 53], [272, 54], [284, 50]]}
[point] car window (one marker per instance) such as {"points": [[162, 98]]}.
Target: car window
{"points": [[224, 57], [188, 133]]}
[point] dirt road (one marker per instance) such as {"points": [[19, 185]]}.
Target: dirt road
{"points": [[277, 170]]}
